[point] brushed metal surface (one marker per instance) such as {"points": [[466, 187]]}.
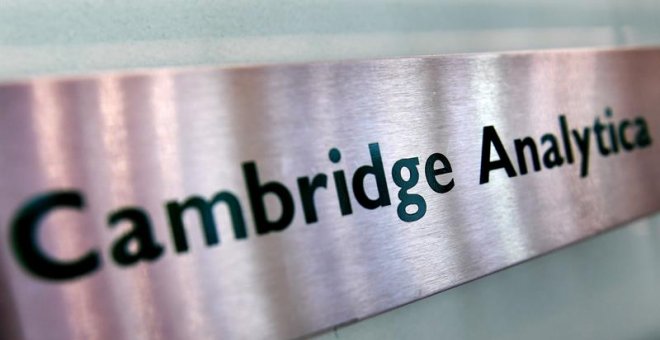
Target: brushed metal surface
{"points": [[147, 138]]}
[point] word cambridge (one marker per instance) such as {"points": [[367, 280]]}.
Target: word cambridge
{"points": [[139, 243]]}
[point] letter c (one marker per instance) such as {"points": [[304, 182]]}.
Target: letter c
{"points": [[622, 136], [24, 231]]}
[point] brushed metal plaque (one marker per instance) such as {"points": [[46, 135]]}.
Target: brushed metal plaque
{"points": [[282, 200]]}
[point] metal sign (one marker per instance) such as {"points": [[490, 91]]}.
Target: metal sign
{"points": [[282, 200]]}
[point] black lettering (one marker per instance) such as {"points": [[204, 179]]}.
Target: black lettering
{"points": [[175, 212], [307, 190], [625, 143], [520, 154], [489, 138], [613, 139], [340, 184], [24, 230], [643, 138], [406, 198], [257, 192], [565, 137], [377, 170], [551, 156], [432, 173], [342, 193], [583, 146], [141, 235], [598, 129]]}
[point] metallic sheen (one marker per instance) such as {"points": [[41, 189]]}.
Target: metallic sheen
{"points": [[141, 139]]}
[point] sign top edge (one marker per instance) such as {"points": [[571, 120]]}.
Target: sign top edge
{"points": [[205, 68]]}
